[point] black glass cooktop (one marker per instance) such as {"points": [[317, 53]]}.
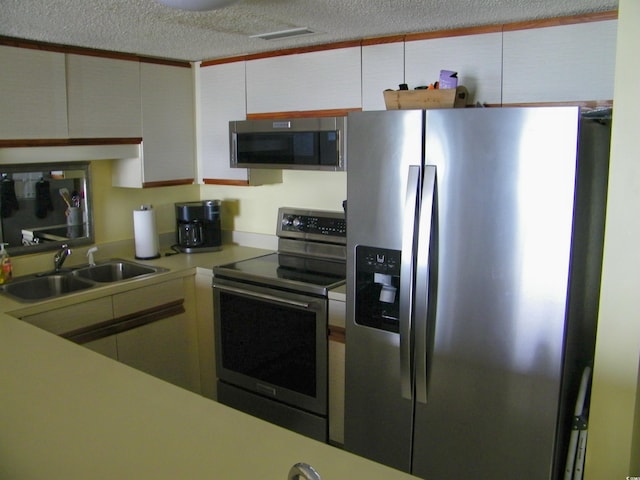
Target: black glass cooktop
{"points": [[287, 271]]}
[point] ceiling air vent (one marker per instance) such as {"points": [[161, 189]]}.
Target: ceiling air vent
{"points": [[293, 32]]}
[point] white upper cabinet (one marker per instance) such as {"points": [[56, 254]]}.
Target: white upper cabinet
{"points": [[222, 99], [560, 64], [382, 68], [168, 123], [476, 58], [322, 80], [32, 94], [104, 97]]}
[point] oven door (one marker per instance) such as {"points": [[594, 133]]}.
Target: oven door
{"points": [[272, 343]]}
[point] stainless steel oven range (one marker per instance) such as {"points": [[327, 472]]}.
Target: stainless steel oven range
{"points": [[270, 317]]}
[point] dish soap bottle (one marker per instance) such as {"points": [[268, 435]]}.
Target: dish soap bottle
{"points": [[6, 271]]}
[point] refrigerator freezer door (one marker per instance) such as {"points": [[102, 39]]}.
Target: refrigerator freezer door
{"points": [[378, 420], [505, 213]]}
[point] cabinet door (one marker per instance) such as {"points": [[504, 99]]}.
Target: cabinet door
{"points": [[165, 349], [33, 94], [73, 317], [476, 58], [168, 123], [139, 300], [559, 64], [328, 79], [104, 97], [382, 68], [222, 99], [106, 346]]}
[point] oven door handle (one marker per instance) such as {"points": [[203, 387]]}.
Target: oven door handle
{"points": [[263, 296]]}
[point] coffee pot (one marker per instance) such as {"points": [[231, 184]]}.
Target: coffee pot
{"points": [[198, 226]]}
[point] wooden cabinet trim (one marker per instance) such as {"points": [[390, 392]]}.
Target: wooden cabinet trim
{"points": [[57, 47], [537, 23], [455, 32], [337, 334], [126, 322], [336, 112], [68, 142], [168, 183]]}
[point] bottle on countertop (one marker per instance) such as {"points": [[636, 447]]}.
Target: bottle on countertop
{"points": [[6, 270]]}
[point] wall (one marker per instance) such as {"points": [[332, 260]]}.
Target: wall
{"points": [[254, 209], [113, 206], [244, 209], [612, 451]]}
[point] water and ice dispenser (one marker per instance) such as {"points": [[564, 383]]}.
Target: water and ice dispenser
{"points": [[377, 297]]}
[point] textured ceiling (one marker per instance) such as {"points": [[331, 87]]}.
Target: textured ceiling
{"points": [[145, 27]]}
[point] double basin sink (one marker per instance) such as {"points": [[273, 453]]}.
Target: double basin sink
{"points": [[42, 286]]}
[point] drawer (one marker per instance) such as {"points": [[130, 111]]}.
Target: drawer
{"points": [[67, 319], [147, 298]]}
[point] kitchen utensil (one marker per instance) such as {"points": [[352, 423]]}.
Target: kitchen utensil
{"points": [[64, 193]]}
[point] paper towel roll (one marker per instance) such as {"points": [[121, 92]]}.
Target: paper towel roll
{"points": [[145, 234]]}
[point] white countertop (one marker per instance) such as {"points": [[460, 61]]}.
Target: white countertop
{"points": [[69, 413]]}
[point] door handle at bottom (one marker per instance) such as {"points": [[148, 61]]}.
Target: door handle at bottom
{"points": [[262, 296]]}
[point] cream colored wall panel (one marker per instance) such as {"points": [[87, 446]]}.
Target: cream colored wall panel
{"points": [[557, 64], [476, 58], [33, 94], [168, 122], [206, 335], [328, 79], [151, 296], [67, 319], [337, 313], [336, 391], [222, 98], [104, 97], [382, 68]]}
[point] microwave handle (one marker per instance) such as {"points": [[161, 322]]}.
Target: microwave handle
{"points": [[233, 149]]}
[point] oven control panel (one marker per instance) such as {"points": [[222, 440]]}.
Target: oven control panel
{"points": [[325, 225]]}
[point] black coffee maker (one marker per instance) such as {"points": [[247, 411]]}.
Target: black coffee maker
{"points": [[198, 226]]}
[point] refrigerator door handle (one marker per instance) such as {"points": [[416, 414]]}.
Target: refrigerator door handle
{"points": [[427, 231], [407, 277]]}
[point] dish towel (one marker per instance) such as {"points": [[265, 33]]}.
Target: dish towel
{"points": [[44, 203], [8, 200]]}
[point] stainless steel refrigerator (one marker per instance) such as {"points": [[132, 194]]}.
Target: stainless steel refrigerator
{"points": [[474, 250]]}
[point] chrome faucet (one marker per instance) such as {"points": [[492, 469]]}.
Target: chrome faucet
{"points": [[60, 257]]}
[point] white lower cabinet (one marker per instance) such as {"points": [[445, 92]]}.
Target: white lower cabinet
{"points": [[162, 349], [151, 328], [106, 346]]}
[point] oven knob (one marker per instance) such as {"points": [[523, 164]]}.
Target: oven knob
{"points": [[298, 223], [287, 221]]}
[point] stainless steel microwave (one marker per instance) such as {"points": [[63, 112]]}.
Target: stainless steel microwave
{"points": [[297, 143]]}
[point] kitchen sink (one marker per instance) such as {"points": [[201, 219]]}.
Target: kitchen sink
{"points": [[41, 287], [115, 271], [54, 284]]}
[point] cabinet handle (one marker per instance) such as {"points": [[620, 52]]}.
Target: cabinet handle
{"points": [[125, 323]]}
